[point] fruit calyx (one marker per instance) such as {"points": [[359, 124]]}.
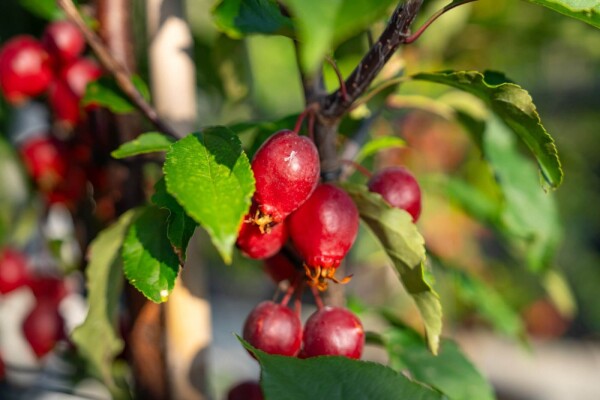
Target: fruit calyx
{"points": [[319, 277]]}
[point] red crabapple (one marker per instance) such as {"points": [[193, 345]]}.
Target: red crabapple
{"points": [[25, 69], [274, 329], [45, 159], [248, 390], [280, 268], [63, 41], [323, 230], [258, 243], [43, 328], [399, 188], [13, 270], [286, 168], [333, 331]]}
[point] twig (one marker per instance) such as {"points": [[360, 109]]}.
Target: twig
{"points": [[395, 34], [121, 74], [340, 78]]}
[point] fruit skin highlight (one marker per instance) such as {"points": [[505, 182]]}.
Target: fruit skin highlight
{"points": [[25, 69], [286, 168], [399, 188], [333, 331], [274, 329], [63, 41], [13, 270], [324, 228]]}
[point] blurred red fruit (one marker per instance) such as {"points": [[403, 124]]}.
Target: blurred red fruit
{"points": [[13, 271], [25, 69], [63, 41]]}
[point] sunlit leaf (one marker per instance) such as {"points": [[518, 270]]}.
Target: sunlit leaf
{"points": [[334, 378], [404, 245], [587, 11], [149, 142], [210, 176], [514, 106]]}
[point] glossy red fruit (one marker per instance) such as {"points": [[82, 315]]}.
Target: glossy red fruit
{"points": [[67, 91], [260, 245], [286, 168], [324, 228], [63, 41], [45, 159], [13, 270], [48, 289], [280, 268], [64, 103], [274, 329], [43, 328], [25, 69], [78, 74], [399, 188], [333, 331], [248, 390]]}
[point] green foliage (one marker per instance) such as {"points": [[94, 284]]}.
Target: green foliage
{"points": [[149, 262], [322, 25], [291, 378], [587, 11], [210, 176], [106, 93], [180, 226], [376, 145], [241, 17], [13, 191], [149, 142], [450, 371], [516, 109], [45, 9], [529, 213], [488, 302], [404, 245], [97, 339]]}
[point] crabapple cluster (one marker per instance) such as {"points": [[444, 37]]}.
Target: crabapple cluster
{"points": [[43, 327], [54, 70], [30, 67], [332, 331]]}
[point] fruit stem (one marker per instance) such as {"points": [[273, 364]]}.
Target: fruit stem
{"points": [[362, 170], [439, 13], [317, 296], [343, 90]]}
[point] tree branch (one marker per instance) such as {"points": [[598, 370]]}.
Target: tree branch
{"points": [[335, 105], [120, 72]]}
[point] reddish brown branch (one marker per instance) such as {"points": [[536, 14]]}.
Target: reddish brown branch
{"points": [[120, 72]]}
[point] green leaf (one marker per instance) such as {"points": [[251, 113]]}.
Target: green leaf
{"points": [[489, 303], [149, 262], [404, 245], [106, 93], [104, 282], [474, 201], [378, 144], [333, 378], [149, 142], [514, 106], [210, 176], [181, 226], [242, 17], [321, 25], [45, 9], [587, 11], [529, 214], [449, 372]]}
